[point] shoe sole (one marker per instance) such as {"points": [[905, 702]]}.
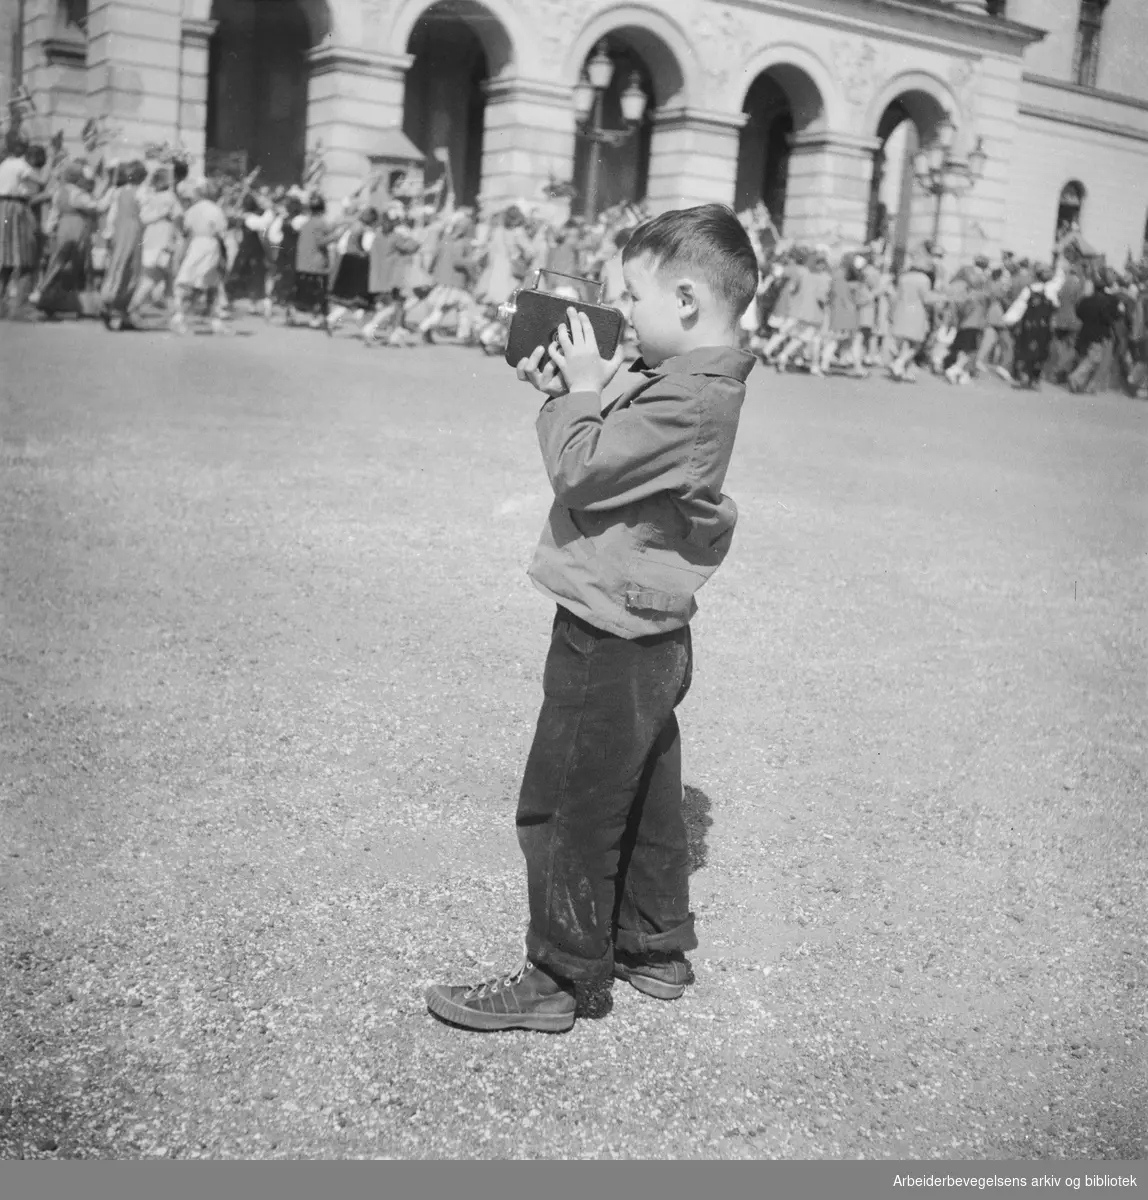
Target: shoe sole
{"points": [[648, 985], [468, 1018]]}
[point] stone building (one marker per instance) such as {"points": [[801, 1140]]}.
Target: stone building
{"points": [[815, 107]]}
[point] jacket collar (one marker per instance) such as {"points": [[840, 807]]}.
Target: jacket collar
{"points": [[705, 360]]}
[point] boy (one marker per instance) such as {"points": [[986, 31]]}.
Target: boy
{"points": [[638, 524]]}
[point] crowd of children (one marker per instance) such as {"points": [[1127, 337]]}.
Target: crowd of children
{"points": [[1072, 321], [136, 244]]}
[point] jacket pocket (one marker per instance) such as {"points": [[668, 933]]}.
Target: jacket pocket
{"points": [[660, 582]]}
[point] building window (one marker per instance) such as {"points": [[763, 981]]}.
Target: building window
{"points": [[74, 15], [1069, 209], [1086, 60]]}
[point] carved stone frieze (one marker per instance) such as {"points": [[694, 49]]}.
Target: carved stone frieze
{"points": [[556, 24], [965, 78], [859, 64], [722, 39]]}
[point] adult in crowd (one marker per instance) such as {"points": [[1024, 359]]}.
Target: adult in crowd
{"points": [[77, 208], [126, 246], [1097, 311], [21, 193]]}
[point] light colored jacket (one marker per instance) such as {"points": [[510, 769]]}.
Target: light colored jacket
{"points": [[911, 306], [639, 521]]}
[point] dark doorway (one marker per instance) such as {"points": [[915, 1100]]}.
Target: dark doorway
{"points": [[257, 86], [763, 149], [444, 102]]}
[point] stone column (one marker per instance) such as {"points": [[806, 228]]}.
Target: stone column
{"points": [[528, 138], [693, 157], [52, 67], [193, 64], [351, 95], [54, 57], [827, 197], [133, 75]]}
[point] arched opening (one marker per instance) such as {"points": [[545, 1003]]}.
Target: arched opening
{"points": [[607, 173], [257, 85], [781, 101], [1070, 208], [457, 46], [899, 212]]}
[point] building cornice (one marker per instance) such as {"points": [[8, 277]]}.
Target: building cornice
{"points": [[1080, 121], [514, 87], [955, 14], [699, 118], [1076, 89], [194, 31], [830, 139], [350, 60], [955, 33]]}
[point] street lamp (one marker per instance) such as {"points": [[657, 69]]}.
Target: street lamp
{"points": [[589, 100], [942, 174]]}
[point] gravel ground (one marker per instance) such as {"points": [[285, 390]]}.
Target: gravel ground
{"points": [[270, 665]]}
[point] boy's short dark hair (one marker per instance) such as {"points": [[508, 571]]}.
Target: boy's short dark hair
{"points": [[709, 239]]}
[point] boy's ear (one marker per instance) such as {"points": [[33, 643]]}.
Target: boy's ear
{"points": [[686, 294]]}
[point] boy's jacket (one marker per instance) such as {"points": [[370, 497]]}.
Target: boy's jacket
{"points": [[639, 521]]}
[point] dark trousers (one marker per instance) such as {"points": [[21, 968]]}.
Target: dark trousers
{"points": [[966, 342], [1088, 374], [600, 811], [1027, 368]]}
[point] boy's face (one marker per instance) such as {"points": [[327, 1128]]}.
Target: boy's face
{"points": [[659, 307]]}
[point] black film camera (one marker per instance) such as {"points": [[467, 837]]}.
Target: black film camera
{"points": [[536, 313]]}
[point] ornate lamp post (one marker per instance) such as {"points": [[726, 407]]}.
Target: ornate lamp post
{"points": [[589, 99], [941, 174]]}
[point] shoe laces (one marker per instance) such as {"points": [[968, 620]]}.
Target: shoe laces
{"points": [[498, 983]]}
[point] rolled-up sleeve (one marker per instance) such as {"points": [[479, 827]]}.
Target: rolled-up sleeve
{"points": [[596, 463]]}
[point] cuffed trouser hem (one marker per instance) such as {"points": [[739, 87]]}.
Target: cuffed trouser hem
{"points": [[633, 941], [683, 938], [568, 966]]}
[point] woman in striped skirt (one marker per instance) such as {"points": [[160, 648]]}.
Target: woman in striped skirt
{"points": [[20, 189]]}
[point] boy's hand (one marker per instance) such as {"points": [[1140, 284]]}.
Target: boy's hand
{"points": [[548, 380], [577, 357]]}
